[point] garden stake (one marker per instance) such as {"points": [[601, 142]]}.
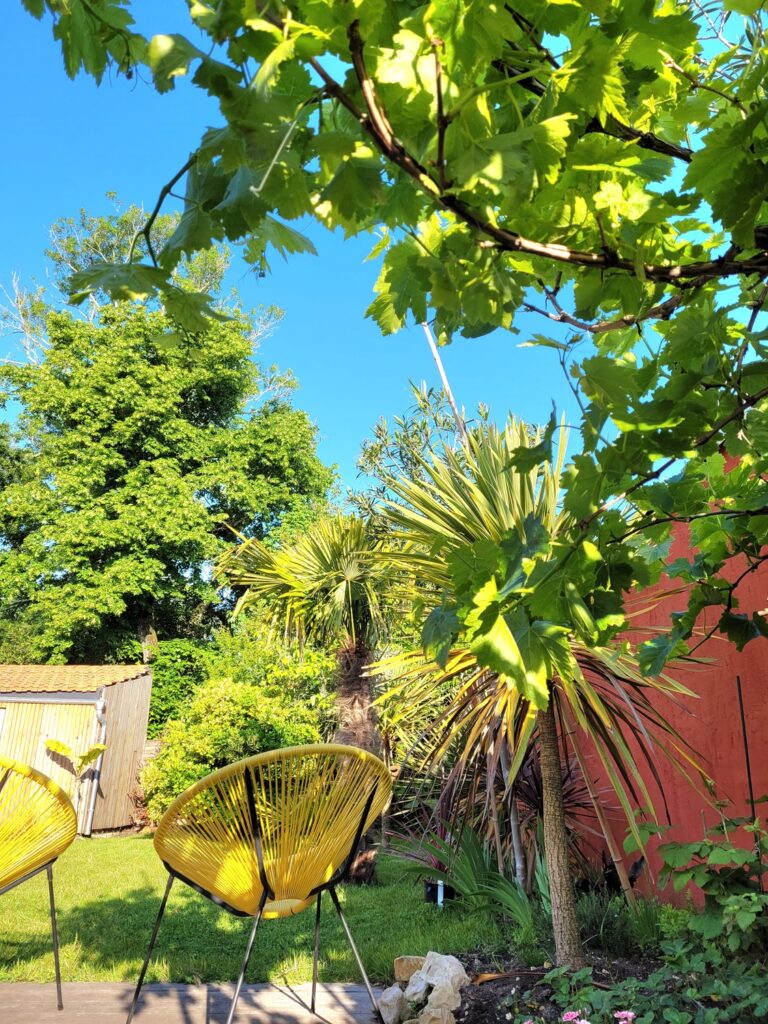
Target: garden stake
{"points": [[460, 424], [758, 845]]}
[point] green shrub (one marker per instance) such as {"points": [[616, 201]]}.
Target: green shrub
{"points": [[735, 913], [223, 722], [250, 654], [673, 922], [645, 924], [178, 668], [691, 987], [464, 862]]}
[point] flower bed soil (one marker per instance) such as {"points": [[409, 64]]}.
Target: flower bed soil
{"points": [[498, 994]]}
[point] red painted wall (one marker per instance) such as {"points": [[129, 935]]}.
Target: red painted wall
{"points": [[711, 724]]}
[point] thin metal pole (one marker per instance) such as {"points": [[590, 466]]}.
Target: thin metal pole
{"points": [[55, 937], [317, 953], [750, 789], [353, 947], [249, 947], [151, 947], [461, 425]]}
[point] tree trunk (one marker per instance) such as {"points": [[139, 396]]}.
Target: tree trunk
{"points": [[568, 949], [147, 637], [357, 727], [357, 719]]}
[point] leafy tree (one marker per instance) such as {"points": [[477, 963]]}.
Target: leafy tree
{"points": [[603, 165], [399, 448], [327, 587], [136, 447], [178, 667]]}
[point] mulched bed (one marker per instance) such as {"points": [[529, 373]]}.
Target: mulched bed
{"points": [[520, 989]]}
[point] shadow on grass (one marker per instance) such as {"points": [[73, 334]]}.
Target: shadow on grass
{"points": [[197, 942], [200, 943]]}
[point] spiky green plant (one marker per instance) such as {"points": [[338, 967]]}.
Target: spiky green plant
{"points": [[526, 632]]}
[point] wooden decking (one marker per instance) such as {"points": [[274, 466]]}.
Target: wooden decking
{"points": [[182, 1004]]}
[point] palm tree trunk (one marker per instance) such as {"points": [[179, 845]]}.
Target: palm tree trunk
{"points": [[568, 948], [357, 727], [354, 701]]}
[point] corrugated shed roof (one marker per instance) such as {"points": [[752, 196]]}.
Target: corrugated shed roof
{"points": [[65, 678]]}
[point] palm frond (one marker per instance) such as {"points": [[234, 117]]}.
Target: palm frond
{"points": [[325, 586]]}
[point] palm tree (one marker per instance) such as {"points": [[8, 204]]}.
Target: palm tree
{"points": [[525, 633], [328, 588]]}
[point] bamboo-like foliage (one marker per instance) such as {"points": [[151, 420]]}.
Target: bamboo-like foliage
{"points": [[604, 704], [326, 586]]}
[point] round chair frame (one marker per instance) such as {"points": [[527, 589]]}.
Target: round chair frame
{"points": [[267, 836]]}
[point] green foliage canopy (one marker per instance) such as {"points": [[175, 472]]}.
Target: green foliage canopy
{"points": [[601, 163], [224, 722], [134, 456], [178, 667]]}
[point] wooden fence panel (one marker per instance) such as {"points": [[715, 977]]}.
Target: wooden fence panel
{"points": [[127, 716]]}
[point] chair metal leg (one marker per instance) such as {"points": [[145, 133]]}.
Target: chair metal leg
{"points": [[316, 954], [353, 947], [54, 936], [249, 947], [155, 930]]}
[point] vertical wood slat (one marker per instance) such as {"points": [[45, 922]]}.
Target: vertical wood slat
{"points": [[29, 725]]}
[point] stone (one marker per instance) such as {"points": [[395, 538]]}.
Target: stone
{"points": [[393, 1005], [441, 968], [444, 997], [430, 1015], [418, 988], [406, 967]]}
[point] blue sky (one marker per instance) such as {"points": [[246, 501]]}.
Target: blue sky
{"points": [[66, 144]]}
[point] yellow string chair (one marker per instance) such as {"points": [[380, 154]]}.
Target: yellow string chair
{"points": [[266, 836], [37, 823]]}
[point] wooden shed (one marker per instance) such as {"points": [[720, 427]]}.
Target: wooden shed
{"points": [[80, 705]]}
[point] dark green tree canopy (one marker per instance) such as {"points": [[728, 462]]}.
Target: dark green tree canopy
{"points": [[134, 456]]}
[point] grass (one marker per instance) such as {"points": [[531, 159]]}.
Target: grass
{"points": [[108, 892]]}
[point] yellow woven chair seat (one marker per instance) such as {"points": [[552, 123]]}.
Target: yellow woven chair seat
{"points": [[230, 874], [304, 804], [37, 824], [37, 821]]}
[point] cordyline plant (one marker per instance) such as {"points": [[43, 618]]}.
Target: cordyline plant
{"points": [[529, 637]]}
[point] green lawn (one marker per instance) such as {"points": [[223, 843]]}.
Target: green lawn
{"points": [[108, 892]]}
